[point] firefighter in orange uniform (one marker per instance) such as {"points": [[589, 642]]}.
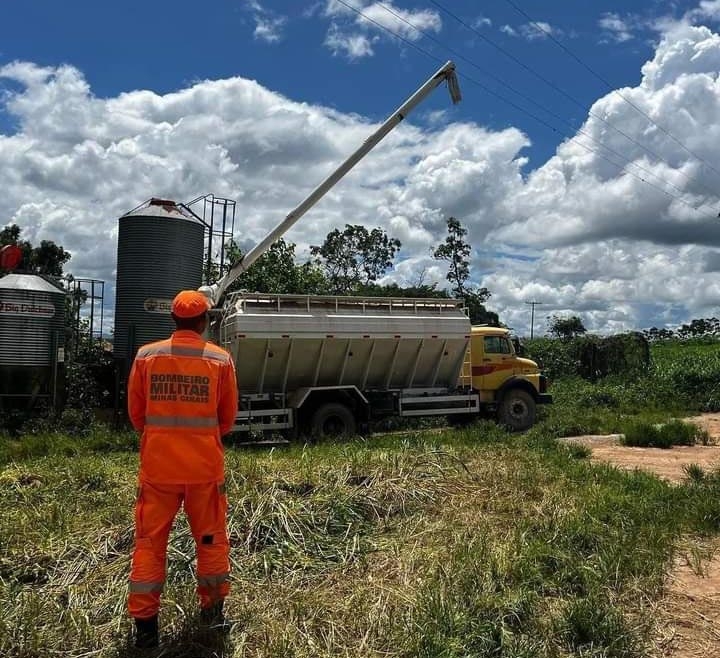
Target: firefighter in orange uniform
{"points": [[182, 398]]}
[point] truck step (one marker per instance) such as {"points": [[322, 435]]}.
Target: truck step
{"points": [[261, 442]]}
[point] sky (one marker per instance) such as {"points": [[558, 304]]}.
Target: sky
{"points": [[582, 159]]}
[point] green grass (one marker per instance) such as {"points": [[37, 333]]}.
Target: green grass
{"points": [[684, 379], [443, 544], [451, 544], [664, 435]]}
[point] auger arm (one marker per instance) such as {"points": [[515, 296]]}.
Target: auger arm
{"points": [[216, 292]]}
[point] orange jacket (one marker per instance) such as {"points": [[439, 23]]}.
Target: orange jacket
{"points": [[182, 398]]}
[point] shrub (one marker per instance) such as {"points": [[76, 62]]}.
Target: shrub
{"points": [[673, 433], [694, 472]]}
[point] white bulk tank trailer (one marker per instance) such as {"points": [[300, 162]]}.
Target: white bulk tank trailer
{"points": [[32, 341], [323, 365]]}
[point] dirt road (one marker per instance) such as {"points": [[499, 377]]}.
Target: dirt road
{"points": [[689, 615]]}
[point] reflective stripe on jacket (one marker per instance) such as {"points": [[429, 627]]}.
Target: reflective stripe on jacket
{"points": [[182, 397]]}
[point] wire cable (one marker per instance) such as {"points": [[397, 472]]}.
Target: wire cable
{"points": [[511, 103], [692, 179], [608, 85], [527, 98]]}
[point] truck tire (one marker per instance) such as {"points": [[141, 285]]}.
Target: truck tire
{"points": [[517, 410], [333, 420]]}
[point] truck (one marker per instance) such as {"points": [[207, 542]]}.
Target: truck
{"points": [[329, 365]]}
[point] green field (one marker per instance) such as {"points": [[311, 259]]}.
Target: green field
{"points": [[434, 544]]}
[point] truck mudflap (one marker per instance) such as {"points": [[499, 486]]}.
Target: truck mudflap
{"points": [[544, 398]]}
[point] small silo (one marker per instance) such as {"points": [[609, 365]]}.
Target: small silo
{"points": [[160, 252], [32, 338]]}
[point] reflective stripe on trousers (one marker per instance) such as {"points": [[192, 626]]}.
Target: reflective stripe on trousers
{"points": [[146, 588], [213, 581]]}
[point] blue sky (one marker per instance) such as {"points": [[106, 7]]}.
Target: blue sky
{"points": [[104, 105], [164, 46]]}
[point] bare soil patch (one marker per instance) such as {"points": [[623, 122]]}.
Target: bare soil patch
{"points": [[689, 615], [669, 464]]}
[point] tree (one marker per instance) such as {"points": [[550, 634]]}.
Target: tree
{"points": [[655, 334], [49, 258], [355, 257], [277, 272], [475, 302], [566, 327], [456, 252], [699, 327]]}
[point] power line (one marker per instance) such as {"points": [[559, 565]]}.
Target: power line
{"points": [[511, 103], [551, 36], [550, 112], [569, 96]]}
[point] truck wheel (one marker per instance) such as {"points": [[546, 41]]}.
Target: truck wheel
{"points": [[332, 420], [517, 410]]}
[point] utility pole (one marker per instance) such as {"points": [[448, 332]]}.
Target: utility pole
{"points": [[532, 305]]}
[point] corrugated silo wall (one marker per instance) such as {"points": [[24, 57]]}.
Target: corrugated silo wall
{"points": [[157, 257], [32, 328]]}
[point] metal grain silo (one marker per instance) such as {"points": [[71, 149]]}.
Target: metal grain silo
{"points": [[160, 252], [32, 336]]}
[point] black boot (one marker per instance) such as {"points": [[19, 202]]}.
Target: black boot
{"points": [[213, 616], [146, 633]]}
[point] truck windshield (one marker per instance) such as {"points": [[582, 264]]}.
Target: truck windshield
{"points": [[497, 345]]}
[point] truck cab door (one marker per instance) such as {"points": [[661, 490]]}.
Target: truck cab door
{"points": [[495, 363]]}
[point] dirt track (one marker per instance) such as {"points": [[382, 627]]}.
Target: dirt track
{"points": [[689, 616], [668, 464]]}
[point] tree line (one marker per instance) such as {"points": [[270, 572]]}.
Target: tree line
{"points": [[568, 327], [350, 261], [697, 328]]}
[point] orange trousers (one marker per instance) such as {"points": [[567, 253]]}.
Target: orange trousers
{"points": [[155, 510]]}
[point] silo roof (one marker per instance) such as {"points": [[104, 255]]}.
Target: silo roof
{"points": [[28, 282], [160, 208]]}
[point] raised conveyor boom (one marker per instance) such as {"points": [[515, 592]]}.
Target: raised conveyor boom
{"points": [[216, 292]]}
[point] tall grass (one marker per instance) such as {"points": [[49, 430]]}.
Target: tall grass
{"points": [[460, 543], [664, 435], [684, 378], [441, 545]]}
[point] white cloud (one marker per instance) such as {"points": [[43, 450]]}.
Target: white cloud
{"points": [[269, 30], [268, 25], [353, 33], [616, 28], [576, 233], [352, 45], [481, 21], [535, 31], [707, 9], [539, 30]]}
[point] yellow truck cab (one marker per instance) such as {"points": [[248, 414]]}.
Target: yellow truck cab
{"points": [[508, 384]]}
